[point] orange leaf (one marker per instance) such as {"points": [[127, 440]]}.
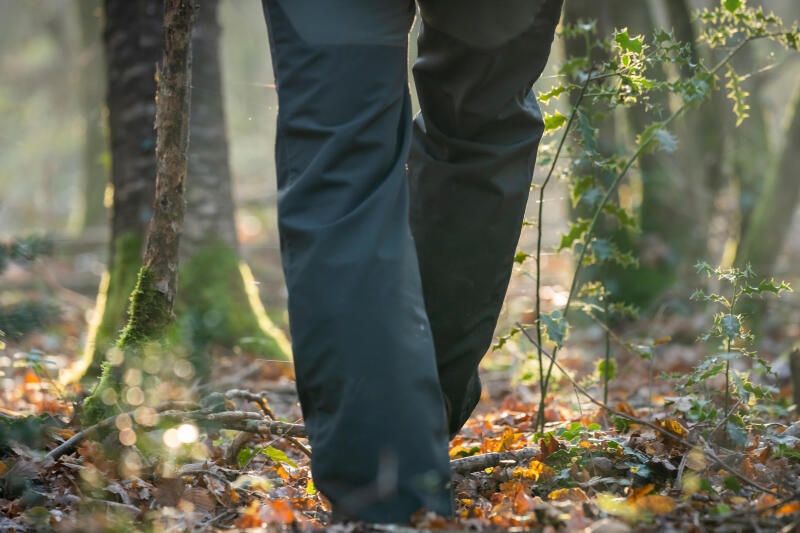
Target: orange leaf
{"points": [[280, 512], [656, 503], [522, 502], [640, 492], [673, 426], [625, 408], [64, 433], [250, 517], [573, 494], [549, 446], [789, 508]]}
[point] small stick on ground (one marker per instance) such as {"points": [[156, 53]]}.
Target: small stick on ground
{"points": [[476, 463]]}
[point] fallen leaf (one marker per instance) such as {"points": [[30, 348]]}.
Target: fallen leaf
{"points": [[571, 494], [656, 503], [789, 508]]}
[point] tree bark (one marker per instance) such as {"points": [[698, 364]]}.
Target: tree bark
{"points": [[132, 40], [153, 299], [209, 196], [214, 306], [95, 171]]}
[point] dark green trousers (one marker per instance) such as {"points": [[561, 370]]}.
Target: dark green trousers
{"points": [[398, 236]]}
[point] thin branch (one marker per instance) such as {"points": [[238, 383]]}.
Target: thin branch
{"points": [[572, 115]]}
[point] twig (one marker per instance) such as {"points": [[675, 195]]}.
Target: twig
{"points": [[258, 399], [299, 445], [709, 453], [116, 505], [239, 441], [727, 417], [681, 467], [483, 461]]}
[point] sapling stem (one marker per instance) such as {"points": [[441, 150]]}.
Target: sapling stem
{"points": [[607, 370], [572, 115]]}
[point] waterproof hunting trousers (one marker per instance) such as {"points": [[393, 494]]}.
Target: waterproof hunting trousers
{"points": [[398, 236]]}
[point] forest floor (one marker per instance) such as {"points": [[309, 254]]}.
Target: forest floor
{"points": [[193, 468]]}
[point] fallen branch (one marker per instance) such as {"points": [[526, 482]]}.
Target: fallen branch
{"points": [[476, 463], [72, 443], [248, 421], [706, 450]]}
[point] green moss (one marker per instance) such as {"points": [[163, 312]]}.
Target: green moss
{"points": [[95, 408], [148, 318], [149, 314], [213, 305], [122, 280]]}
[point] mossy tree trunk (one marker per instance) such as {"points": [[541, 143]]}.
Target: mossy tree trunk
{"points": [[216, 306], [153, 298], [213, 306], [132, 41]]}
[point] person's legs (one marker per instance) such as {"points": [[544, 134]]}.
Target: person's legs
{"points": [[471, 164], [364, 356]]}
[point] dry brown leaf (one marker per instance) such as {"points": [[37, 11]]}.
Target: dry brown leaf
{"points": [[656, 503], [572, 494]]}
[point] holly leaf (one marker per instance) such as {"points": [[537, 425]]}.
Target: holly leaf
{"points": [[732, 5], [555, 326], [576, 230], [554, 121], [731, 326], [629, 44]]}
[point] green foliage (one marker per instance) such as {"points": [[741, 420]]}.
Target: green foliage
{"points": [[19, 317], [732, 339], [100, 404], [24, 250], [630, 70]]}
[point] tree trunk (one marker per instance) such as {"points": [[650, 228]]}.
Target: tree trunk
{"points": [[95, 171], [772, 216], [752, 153], [214, 306], [152, 300], [132, 40]]}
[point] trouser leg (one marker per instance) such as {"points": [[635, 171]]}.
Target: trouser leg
{"points": [[472, 158], [364, 356]]}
